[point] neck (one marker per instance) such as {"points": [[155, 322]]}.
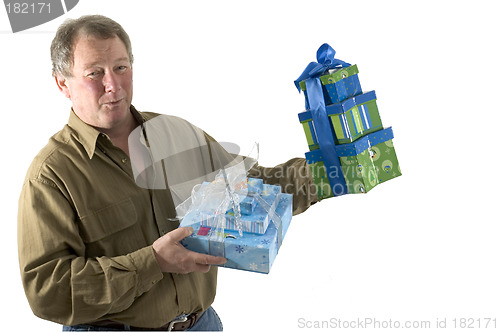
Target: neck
{"points": [[119, 136]]}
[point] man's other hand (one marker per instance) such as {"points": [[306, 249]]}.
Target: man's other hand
{"points": [[174, 258]]}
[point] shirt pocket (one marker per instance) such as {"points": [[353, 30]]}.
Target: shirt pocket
{"points": [[108, 220]]}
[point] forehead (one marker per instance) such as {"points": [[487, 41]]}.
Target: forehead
{"points": [[89, 50]]}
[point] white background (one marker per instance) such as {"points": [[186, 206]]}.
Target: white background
{"points": [[421, 247]]}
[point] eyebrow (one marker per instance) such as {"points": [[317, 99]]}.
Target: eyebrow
{"points": [[97, 63]]}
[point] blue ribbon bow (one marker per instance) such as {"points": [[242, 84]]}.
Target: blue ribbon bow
{"points": [[326, 60], [316, 104]]}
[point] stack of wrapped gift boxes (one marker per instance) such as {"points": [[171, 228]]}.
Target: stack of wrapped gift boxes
{"points": [[349, 149], [250, 243]]}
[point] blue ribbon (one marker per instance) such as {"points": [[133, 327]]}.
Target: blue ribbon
{"points": [[326, 60], [275, 218], [325, 138]]}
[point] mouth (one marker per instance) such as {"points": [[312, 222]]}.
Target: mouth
{"points": [[113, 103]]}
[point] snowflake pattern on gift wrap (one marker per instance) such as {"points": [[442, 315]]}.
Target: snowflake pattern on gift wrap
{"points": [[239, 249], [253, 266], [265, 241]]}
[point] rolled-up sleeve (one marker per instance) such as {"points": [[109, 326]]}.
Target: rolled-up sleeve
{"points": [[294, 177]]}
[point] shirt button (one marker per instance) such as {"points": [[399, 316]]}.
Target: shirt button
{"points": [[124, 160]]}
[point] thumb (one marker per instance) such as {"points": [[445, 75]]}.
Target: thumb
{"points": [[180, 233]]}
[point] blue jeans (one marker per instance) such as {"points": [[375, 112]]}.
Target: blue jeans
{"points": [[209, 321]]}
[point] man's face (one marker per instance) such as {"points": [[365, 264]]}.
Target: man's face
{"points": [[101, 87]]}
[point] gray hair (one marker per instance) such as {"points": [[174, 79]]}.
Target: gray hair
{"points": [[61, 49]]}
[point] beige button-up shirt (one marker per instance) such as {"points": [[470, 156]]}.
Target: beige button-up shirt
{"points": [[85, 230]]}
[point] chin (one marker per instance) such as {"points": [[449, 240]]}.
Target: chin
{"points": [[119, 108], [115, 115]]}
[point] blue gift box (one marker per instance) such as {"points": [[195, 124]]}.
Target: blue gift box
{"points": [[337, 84], [255, 222], [247, 202], [341, 89], [249, 252]]}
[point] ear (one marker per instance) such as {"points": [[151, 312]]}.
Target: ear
{"points": [[62, 85]]}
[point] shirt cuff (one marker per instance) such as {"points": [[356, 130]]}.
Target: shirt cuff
{"points": [[148, 270]]}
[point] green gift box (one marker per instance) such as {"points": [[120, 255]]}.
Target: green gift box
{"points": [[349, 120], [384, 155], [338, 84], [357, 169], [365, 163], [354, 117], [305, 119], [369, 161], [357, 165]]}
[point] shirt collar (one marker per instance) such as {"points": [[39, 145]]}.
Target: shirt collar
{"points": [[88, 135]]}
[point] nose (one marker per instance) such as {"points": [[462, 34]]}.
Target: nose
{"points": [[110, 82]]}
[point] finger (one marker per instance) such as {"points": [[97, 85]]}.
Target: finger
{"points": [[202, 268], [203, 259], [180, 233]]}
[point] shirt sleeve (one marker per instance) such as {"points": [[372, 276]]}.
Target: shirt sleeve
{"points": [[293, 176], [61, 284]]}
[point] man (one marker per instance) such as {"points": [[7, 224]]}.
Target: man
{"points": [[95, 249]]}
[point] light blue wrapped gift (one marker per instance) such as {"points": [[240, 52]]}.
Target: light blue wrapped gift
{"points": [[254, 216], [249, 252], [249, 188]]}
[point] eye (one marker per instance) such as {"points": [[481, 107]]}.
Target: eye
{"points": [[93, 73], [122, 68]]}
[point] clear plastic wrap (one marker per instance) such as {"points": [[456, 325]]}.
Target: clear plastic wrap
{"points": [[210, 190], [226, 192]]}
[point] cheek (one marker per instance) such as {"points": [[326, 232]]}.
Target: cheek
{"points": [[84, 87], [127, 85], [127, 82], [88, 90], [93, 87]]}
